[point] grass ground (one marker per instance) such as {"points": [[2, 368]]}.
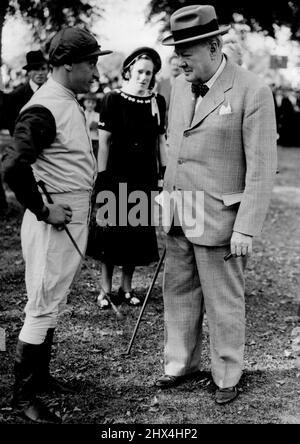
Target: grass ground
{"points": [[116, 388]]}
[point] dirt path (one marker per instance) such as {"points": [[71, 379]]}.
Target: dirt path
{"points": [[288, 194], [119, 389]]}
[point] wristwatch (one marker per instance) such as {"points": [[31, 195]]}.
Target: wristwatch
{"points": [[43, 214]]}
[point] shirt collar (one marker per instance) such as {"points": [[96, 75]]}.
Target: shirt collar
{"points": [[217, 73], [33, 86]]}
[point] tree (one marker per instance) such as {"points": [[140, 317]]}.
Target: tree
{"points": [[3, 8], [47, 16], [256, 15]]}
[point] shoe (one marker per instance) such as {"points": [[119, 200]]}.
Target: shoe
{"points": [[28, 362], [168, 381], [39, 413], [116, 298], [225, 395], [129, 297], [102, 301]]}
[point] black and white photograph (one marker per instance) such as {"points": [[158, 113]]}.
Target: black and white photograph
{"points": [[149, 216]]}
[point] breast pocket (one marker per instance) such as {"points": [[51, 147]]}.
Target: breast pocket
{"points": [[223, 121]]}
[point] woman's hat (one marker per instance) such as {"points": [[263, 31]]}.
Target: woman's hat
{"points": [[150, 52], [34, 60], [192, 23], [73, 45]]}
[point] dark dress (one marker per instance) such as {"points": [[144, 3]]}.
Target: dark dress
{"points": [[132, 166]]}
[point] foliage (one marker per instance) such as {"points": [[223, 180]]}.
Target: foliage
{"points": [[51, 15], [280, 12], [47, 16]]}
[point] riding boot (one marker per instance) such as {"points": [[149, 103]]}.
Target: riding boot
{"points": [[28, 357], [46, 382]]}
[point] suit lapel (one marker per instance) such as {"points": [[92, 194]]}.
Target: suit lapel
{"points": [[28, 92], [215, 95], [211, 101]]}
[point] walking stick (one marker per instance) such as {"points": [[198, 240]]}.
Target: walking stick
{"points": [[66, 229], [146, 300]]}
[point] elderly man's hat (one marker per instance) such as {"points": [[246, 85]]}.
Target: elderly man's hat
{"points": [[193, 23], [150, 52], [34, 60], [73, 45]]}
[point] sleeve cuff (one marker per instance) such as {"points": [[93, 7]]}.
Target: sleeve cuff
{"points": [[43, 214]]}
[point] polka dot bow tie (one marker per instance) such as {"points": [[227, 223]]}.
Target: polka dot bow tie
{"points": [[200, 90]]}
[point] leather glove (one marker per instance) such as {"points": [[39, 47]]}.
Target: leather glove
{"points": [[43, 214]]}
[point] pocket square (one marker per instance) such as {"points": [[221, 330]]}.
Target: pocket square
{"points": [[225, 109]]}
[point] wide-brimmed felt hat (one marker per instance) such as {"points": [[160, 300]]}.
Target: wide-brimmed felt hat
{"points": [[34, 60], [73, 45], [150, 52], [192, 23]]}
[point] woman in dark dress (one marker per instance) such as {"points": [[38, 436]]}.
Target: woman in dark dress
{"points": [[131, 155]]}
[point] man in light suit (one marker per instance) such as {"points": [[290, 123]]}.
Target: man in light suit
{"points": [[222, 144]]}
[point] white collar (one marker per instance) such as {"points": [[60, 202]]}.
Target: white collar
{"points": [[217, 74], [33, 85]]}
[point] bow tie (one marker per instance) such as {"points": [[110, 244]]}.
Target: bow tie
{"points": [[199, 90]]}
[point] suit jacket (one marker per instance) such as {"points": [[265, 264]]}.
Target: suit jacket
{"points": [[14, 102], [228, 151]]}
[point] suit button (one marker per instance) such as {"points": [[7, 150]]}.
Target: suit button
{"points": [[186, 134], [180, 162]]}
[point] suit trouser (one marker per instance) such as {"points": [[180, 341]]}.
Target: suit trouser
{"points": [[196, 276], [51, 264]]}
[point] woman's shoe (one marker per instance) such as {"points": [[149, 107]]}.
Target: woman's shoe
{"points": [[129, 297], [116, 298], [102, 300]]}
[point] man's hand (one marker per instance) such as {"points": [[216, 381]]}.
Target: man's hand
{"points": [[240, 244], [59, 215]]}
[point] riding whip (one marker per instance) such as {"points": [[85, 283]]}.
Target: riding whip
{"points": [[66, 229]]}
